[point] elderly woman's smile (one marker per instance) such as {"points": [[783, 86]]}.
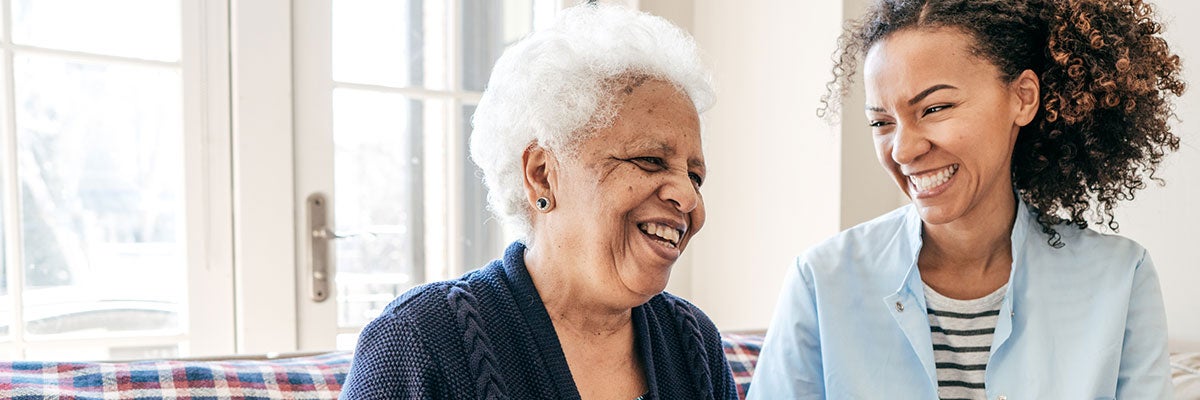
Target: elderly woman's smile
{"points": [[665, 234]]}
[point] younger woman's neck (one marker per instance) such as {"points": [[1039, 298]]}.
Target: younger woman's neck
{"points": [[976, 241]]}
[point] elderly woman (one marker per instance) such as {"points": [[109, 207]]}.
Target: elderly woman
{"points": [[1010, 124], [588, 136]]}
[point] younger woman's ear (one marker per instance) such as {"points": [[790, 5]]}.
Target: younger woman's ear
{"points": [[1028, 90], [539, 169]]}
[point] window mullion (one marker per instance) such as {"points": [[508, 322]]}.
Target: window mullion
{"points": [[263, 208], [12, 202], [434, 203], [454, 149], [316, 326], [92, 57], [205, 73], [413, 92]]}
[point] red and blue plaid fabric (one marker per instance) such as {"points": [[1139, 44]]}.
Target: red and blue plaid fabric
{"points": [[741, 350], [300, 378]]}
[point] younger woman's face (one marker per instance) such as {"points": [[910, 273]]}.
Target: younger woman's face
{"points": [[945, 121]]}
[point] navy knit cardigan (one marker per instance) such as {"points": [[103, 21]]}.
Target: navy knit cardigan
{"points": [[487, 335]]}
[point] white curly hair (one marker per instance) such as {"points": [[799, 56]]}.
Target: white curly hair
{"points": [[553, 88]]}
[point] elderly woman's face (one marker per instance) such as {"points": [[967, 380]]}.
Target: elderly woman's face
{"points": [[631, 198]]}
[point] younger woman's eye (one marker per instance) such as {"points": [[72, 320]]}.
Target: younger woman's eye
{"points": [[876, 123], [936, 108]]}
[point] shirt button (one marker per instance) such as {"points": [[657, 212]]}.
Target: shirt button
{"points": [[899, 307]]}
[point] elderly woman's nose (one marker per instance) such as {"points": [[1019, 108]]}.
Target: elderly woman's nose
{"points": [[908, 144], [681, 192]]}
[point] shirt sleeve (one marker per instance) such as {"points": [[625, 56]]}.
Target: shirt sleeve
{"points": [[390, 362], [790, 363], [1145, 372]]}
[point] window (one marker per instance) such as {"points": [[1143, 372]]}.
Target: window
{"points": [[387, 105], [103, 192], [140, 145]]}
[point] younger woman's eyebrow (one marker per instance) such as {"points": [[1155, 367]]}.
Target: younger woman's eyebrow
{"points": [[925, 93], [916, 99]]}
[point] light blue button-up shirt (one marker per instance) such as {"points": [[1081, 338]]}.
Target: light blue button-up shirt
{"points": [[1084, 321]]}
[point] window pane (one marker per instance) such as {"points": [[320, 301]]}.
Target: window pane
{"points": [[148, 29], [481, 232], [380, 42], [346, 341], [489, 27], [100, 167], [377, 175]]}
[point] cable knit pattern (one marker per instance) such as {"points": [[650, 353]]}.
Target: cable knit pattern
{"points": [[487, 381], [693, 347], [488, 336]]}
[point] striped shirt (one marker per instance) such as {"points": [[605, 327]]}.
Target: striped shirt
{"points": [[962, 341]]}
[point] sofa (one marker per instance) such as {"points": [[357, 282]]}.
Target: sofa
{"points": [[309, 377]]}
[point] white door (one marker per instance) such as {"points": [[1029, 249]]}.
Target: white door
{"points": [[114, 152], [384, 92]]}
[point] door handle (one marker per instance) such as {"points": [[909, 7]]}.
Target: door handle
{"points": [[319, 236]]}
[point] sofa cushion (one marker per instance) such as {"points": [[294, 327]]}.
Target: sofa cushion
{"points": [[313, 377], [741, 350], [1185, 375]]}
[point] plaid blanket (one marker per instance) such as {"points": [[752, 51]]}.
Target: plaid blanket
{"points": [[742, 353], [300, 378]]}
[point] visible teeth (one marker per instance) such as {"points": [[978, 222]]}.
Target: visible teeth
{"points": [[930, 181], [666, 233]]}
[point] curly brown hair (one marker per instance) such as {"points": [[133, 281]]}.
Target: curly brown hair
{"points": [[1107, 78]]}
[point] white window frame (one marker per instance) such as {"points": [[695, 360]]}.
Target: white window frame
{"points": [[263, 172], [317, 323], [443, 151], [246, 282], [204, 63]]}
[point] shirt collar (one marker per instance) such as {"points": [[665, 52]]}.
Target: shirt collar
{"points": [[911, 292]]}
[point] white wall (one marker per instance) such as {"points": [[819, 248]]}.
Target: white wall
{"points": [[1165, 219], [781, 180], [772, 188]]}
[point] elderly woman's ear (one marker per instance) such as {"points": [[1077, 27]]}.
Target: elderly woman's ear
{"points": [[540, 172]]}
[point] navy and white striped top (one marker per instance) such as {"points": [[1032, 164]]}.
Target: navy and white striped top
{"points": [[962, 341]]}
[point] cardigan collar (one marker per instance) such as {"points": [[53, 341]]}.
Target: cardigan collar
{"points": [[535, 315]]}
